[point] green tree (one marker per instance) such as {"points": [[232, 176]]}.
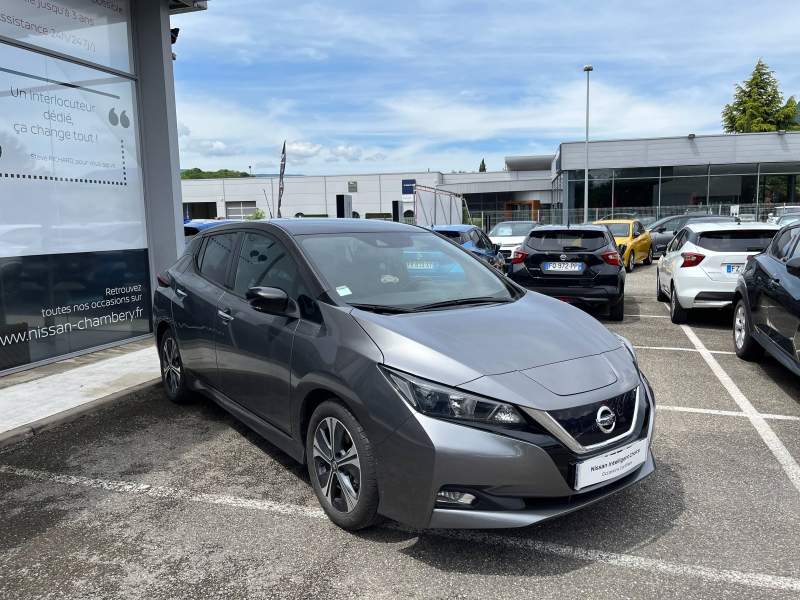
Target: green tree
{"points": [[257, 215], [482, 168], [222, 173], [758, 105]]}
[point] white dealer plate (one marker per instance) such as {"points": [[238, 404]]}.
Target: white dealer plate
{"points": [[421, 265], [610, 465]]}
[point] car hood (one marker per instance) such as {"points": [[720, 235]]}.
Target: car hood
{"points": [[623, 240], [509, 240], [457, 346]]}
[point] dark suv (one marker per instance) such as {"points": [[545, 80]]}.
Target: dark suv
{"points": [[767, 301], [577, 264]]}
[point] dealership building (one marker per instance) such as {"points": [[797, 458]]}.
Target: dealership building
{"points": [[90, 202], [754, 173]]}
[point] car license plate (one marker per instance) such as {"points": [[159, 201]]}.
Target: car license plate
{"points": [[734, 268], [428, 266], [563, 266], [610, 465]]}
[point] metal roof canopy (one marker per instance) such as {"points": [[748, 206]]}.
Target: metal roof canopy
{"points": [[177, 7]]}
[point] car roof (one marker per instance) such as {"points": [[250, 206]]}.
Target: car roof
{"points": [[459, 228], [628, 221], [703, 227], [303, 226], [514, 222], [584, 227]]}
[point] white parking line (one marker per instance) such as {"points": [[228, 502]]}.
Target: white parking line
{"points": [[772, 441], [625, 561], [647, 316], [725, 413], [680, 349]]}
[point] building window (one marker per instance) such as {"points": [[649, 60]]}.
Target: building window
{"points": [[352, 187], [239, 210]]}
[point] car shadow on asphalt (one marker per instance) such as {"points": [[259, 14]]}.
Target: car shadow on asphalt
{"points": [[633, 518]]}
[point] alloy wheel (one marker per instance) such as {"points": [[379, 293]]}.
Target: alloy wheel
{"points": [[336, 465], [171, 365], [739, 324]]}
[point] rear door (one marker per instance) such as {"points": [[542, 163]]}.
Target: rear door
{"points": [[728, 251], [194, 311], [673, 258], [767, 278], [559, 257]]}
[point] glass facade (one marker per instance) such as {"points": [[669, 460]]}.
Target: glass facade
{"points": [[656, 192]]}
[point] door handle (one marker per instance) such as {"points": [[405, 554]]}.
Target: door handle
{"points": [[180, 292], [225, 315]]}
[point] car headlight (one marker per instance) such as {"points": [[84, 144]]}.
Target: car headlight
{"points": [[439, 401], [625, 343]]}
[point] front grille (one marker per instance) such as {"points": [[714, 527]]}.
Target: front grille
{"points": [[581, 421]]}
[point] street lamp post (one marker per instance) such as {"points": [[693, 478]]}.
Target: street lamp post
{"points": [[588, 69]]}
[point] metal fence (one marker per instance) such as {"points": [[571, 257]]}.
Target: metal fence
{"points": [[646, 214]]}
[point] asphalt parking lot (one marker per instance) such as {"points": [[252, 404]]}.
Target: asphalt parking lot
{"points": [[151, 500]]}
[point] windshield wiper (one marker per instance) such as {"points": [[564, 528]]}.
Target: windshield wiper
{"points": [[462, 302], [756, 248], [381, 308]]}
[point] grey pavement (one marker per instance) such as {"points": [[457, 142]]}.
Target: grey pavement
{"points": [[150, 500]]}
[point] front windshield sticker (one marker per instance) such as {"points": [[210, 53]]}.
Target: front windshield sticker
{"points": [[343, 290], [389, 279]]}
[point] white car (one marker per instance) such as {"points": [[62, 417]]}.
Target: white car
{"points": [[702, 264], [510, 235]]}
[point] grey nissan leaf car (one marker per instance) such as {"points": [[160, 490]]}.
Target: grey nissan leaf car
{"points": [[396, 388]]}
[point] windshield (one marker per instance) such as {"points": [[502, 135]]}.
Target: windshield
{"points": [[400, 269], [790, 218], [565, 240], [618, 229], [512, 229], [735, 241]]}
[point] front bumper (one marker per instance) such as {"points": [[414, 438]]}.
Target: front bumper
{"points": [[521, 481]]}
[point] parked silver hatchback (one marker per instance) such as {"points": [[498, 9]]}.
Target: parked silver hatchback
{"points": [[376, 353]]}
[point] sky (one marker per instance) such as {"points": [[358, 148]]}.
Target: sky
{"points": [[376, 87]]}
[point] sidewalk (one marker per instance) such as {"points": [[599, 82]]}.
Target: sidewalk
{"points": [[42, 398]]}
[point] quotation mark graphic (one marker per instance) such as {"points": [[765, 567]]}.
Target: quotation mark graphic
{"points": [[122, 119]]}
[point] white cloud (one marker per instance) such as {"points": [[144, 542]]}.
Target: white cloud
{"points": [[349, 153], [208, 148], [331, 159], [302, 150], [377, 157], [266, 165], [183, 130]]}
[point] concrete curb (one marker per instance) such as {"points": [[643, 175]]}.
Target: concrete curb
{"points": [[20, 434]]}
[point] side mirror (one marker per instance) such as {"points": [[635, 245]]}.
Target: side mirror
{"points": [[661, 230], [496, 248], [268, 300], [675, 232], [793, 266]]}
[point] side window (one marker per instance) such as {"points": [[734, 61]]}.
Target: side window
{"points": [[473, 236], [263, 262], [671, 225], [781, 244], [485, 243], [637, 229], [217, 257]]}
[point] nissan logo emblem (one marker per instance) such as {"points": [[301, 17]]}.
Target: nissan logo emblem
{"points": [[606, 419], [563, 257]]}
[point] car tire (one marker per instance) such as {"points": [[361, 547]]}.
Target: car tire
{"points": [[660, 295], [350, 496], [173, 375], [617, 312], [629, 264], [677, 313], [743, 343], [649, 260]]}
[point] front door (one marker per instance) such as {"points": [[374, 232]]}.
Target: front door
{"points": [[784, 312], [194, 311], [254, 350]]}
